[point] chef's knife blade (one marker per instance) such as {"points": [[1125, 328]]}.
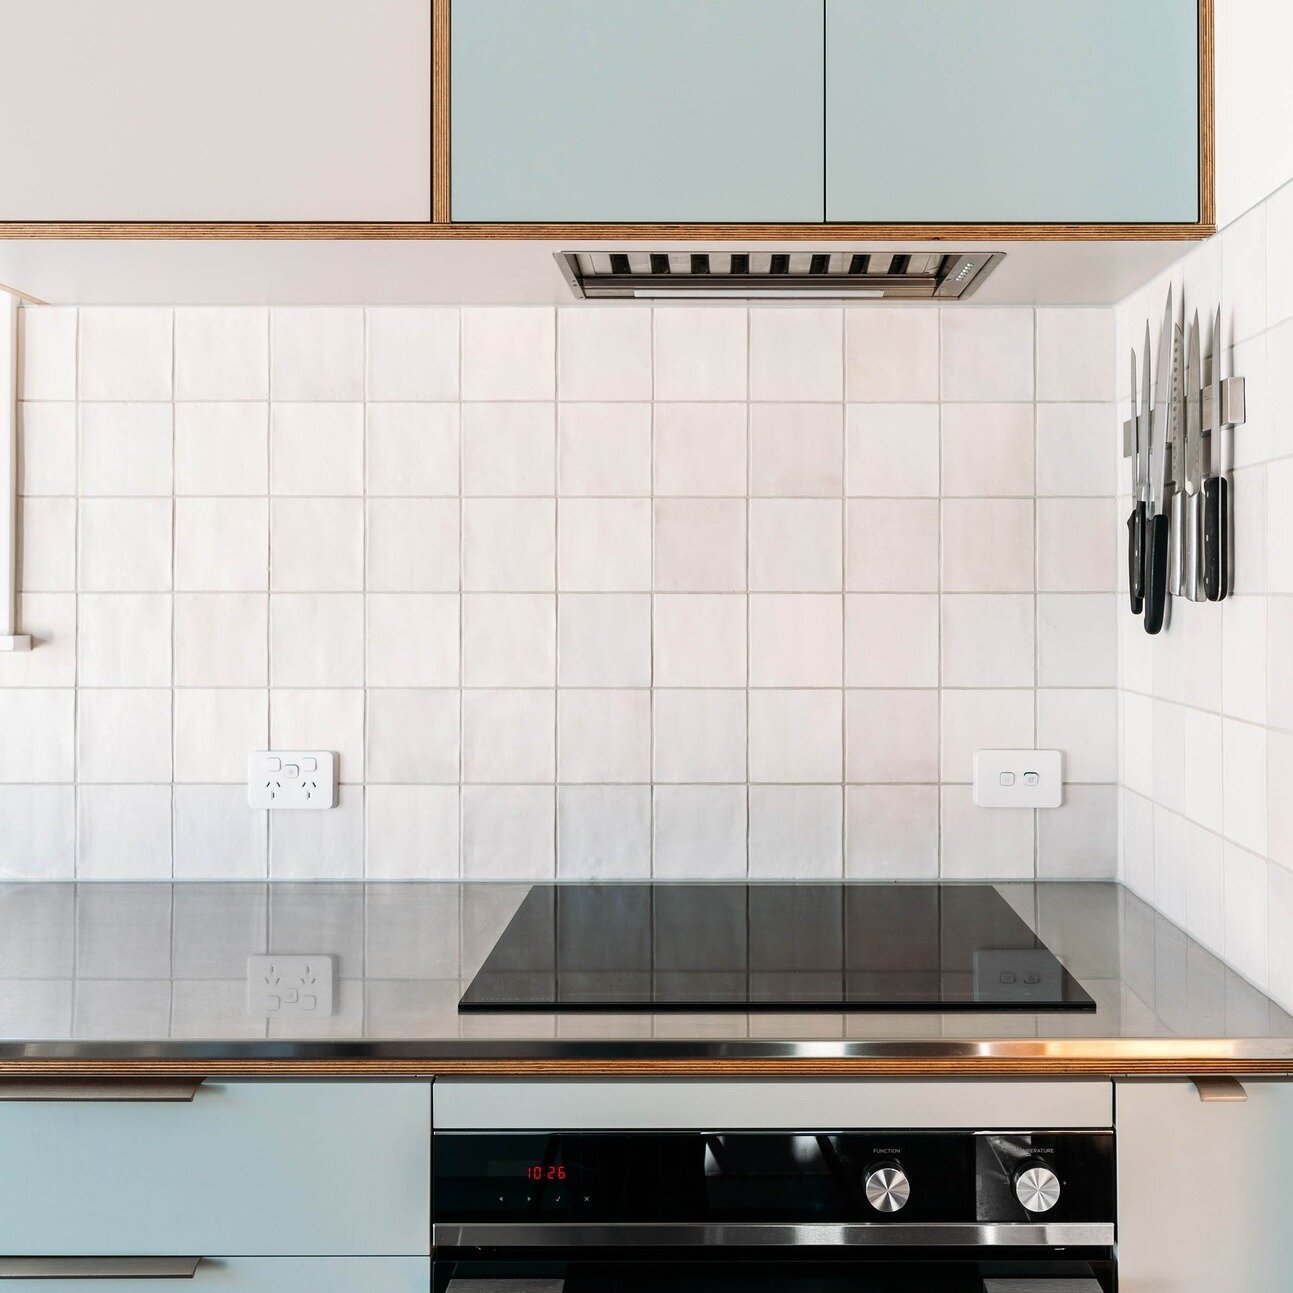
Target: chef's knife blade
{"points": [[1216, 489], [1176, 453], [1192, 543], [1158, 527]]}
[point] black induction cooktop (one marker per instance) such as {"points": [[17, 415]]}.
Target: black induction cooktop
{"points": [[658, 947]]}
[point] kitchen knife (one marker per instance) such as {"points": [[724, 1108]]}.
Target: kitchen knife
{"points": [[1158, 525], [1216, 489], [1192, 506], [1136, 521], [1176, 508]]}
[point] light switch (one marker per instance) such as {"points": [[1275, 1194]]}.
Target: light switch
{"points": [[1018, 779]]}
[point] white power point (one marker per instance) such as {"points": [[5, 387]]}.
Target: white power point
{"points": [[289, 985], [292, 779], [1017, 779]]}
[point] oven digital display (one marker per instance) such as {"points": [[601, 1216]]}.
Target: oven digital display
{"points": [[512, 1169], [545, 1172]]}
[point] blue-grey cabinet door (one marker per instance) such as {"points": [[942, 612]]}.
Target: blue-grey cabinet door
{"points": [[1047, 111], [637, 110]]}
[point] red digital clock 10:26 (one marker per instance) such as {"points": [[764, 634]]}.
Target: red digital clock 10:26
{"points": [[552, 1172]]}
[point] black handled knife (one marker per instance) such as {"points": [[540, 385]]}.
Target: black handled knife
{"points": [[1136, 521], [1158, 531], [1216, 490]]}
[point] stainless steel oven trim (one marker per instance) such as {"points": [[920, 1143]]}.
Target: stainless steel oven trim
{"points": [[900, 1234]]}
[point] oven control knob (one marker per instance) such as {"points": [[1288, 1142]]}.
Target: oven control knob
{"points": [[887, 1187], [1037, 1187]]}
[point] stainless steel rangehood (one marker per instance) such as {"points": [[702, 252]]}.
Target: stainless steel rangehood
{"points": [[866, 275]]}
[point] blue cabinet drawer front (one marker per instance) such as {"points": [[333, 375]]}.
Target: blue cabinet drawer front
{"points": [[262, 1275], [249, 1168]]}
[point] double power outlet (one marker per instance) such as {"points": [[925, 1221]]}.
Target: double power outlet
{"points": [[292, 779]]}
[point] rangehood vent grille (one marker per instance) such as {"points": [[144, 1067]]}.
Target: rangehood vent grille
{"points": [[873, 275]]}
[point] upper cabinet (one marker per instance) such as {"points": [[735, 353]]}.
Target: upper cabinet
{"points": [[656, 111], [1012, 111], [177, 110]]}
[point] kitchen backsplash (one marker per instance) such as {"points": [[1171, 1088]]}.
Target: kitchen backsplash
{"points": [[680, 592], [1207, 707]]}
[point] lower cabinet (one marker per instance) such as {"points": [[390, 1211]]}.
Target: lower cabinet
{"points": [[245, 1275], [1205, 1189]]}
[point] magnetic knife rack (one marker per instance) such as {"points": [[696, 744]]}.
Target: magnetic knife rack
{"points": [[1180, 532]]}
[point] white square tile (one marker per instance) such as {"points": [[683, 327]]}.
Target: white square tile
{"points": [[320, 720], [699, 640], [987, 640], [316, 449], [124, 640], [215, 729], [1279, 897], [1137, 743], [988, 449], [1076, 444], [604, 736], [220, 639], [699, 735], [316, 639], [604, 640], [1083, 725], [1077, 639], [987, 354], [1249, 525], [412, 449], [796, 832], [221, 353], [50, 619], [795, 544], [222, 544], [413, 640], [317, 353], [1077, 545], [892, 354], [1244, 784], [1279, 525], [1246, 947], [699, 833], [508, 353], [1243, 658], [1279, 258], [46, 449], [125, 354], [413, 353], [508, 449], [1201, 739], [604, 353], [796, 450], [983, 843], [700, 449], [982, 720], [1136, 846], [125, 545], [508, 832], [700, 354], [46, 353], [509, 639], [47, 545], [891, 640], [987, 545], [604, 545], [796, 736], [37, 832], [892, 449], [126, 449], [797, 354], [891, 735], [124, 833], [507, 736], [892, 545], [123, 735], [1279, 815], [699, 545], [891, 832], [1079, 840], [1243, 275], [320, 846], [796, 640], [411, 833], [217, 837], [509, 545], [1075, 354], [412, 736], [221, 448], [604, 449], [1169, 755], [1205, 888], [413, 547], [1279, 650], [604, 832], [45, 718]]}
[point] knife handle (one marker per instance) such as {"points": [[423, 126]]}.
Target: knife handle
{"points": [[1157, 542], [1136, 557], [1216, 533], [1176, 556]]}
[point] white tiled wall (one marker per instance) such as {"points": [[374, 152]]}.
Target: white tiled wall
{"points": [[1207, 707], [683, 592]]}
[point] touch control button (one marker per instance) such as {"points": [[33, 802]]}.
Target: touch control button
{"points": [[1037, 1187], [887, 1188]]}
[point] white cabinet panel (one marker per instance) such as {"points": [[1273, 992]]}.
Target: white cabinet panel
{"points": [[242, 110]]}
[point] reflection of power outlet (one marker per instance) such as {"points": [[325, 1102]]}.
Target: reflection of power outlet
{"points": [[289, 985]]}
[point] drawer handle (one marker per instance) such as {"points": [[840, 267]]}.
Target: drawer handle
{"points": [[98, 1268], [112, 1089], [1213, 1090]]}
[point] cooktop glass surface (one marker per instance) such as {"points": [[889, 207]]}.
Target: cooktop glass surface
{"points": [[657, 947]]}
